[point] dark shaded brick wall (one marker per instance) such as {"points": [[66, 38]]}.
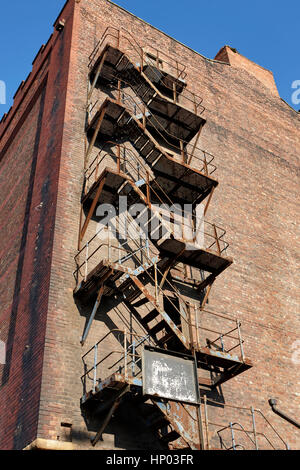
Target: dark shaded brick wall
{"points": [[254, 136], [30, 155]]}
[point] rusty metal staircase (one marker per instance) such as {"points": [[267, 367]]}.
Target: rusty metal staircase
{"points": [[174, 235], [118, 56], [142, 143], [163, 320], [119, 120], [175, 423]]}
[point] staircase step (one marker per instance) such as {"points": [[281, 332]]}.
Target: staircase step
{"points": [[160, 326], [165, 338], [141, 302], [132, 296], [150, 316]]}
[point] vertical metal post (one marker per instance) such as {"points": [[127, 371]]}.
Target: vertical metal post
{"points": [[155, 278], [119, 158], [206, 423], [232, 436], [182, 151], [119, 91], [197, 326], [84, 379], [125, 354], [240, 339], [190, 328], [222, 342], [133, 358], [97, 166], [86, 261], [217, 240], [199, 413], [108, 243], [174, 92], [148, 190], [254, 427], [205, 165], [95, 367]]}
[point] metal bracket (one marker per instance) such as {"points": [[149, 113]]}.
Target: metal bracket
{"points": [[110, 414]]}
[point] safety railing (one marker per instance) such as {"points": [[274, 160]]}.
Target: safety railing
{"points": [[101, 361], [217, 332], [234, 445], [116, 37], [187, 152], [160, 63], [128, 163], [127, 254], [175, 220], [131, 164], [156, 224], [124, 358], [252, 434], [140, 259], [143, 263]]}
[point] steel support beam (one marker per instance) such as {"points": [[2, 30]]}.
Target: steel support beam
{"points": [[110, 414], [92, 316], [92, 208]]}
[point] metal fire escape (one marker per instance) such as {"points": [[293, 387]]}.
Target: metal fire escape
{"points": [[142, 135]]}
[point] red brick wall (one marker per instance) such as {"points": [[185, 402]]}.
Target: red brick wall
{"points": [[30, 156], [254, 136]]}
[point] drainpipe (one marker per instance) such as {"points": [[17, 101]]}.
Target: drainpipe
{"points": [[273, 403]]}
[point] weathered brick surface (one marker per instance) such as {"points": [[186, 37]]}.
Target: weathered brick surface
{"points": [[254, 136], [30, 152]]}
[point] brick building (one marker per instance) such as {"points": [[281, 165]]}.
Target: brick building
{"points": [[218, 127]]}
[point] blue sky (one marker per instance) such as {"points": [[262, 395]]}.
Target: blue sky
{"points": [[265, 31]]}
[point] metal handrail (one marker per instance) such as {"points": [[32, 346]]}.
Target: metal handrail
{"points": [[179, 66], [205, 233], [217, 237], [224, 334], [231, 426], [253, 411], [145, 59], [228, 334], [94, 165], [268, 422], [125, 98], [121, 161], [129, 339], [186, 319], [120, 247]]}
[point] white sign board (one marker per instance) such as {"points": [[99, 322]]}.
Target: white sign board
{"points": [[169, 376]]}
